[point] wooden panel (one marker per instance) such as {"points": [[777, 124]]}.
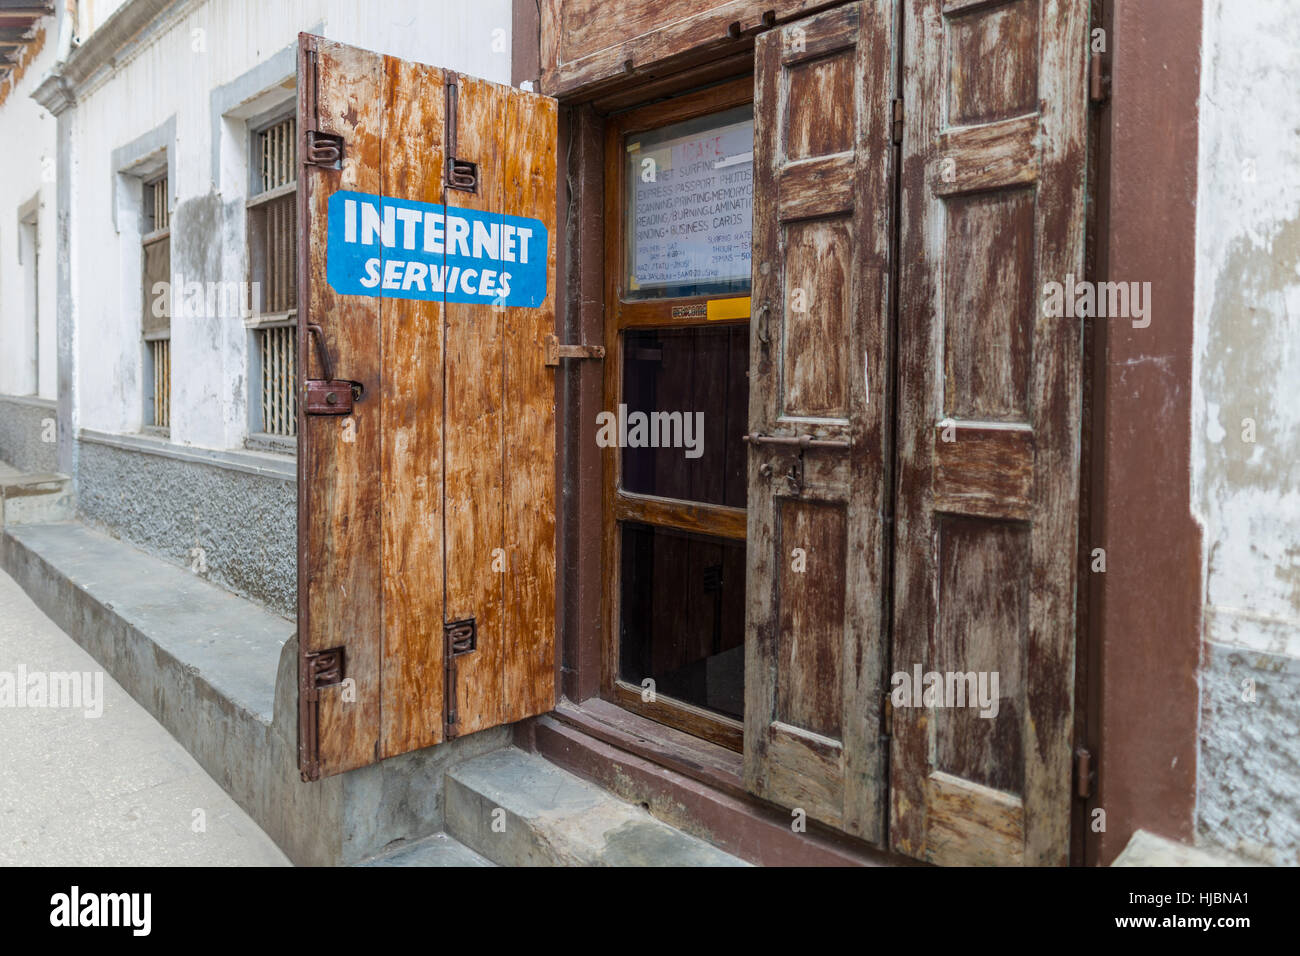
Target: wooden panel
{"points": [[984, 470], [990, 305], [473, 433], [984, 577], [813, 131], [980, 235], [411, 413], [403, 502], [818, 292], [993, 70], [810, 638], [645, 36], [972, 825], [529, 442], [992, 156], [806, 773], [340, 592], [814, 648], [817, 187]]}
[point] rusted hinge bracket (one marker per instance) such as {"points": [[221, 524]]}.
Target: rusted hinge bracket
{"points": [[896, 126], [555, 351], [1098, 79], [316, 669], [319, 149], [459, 637], [1084, 775], [461, 173]]}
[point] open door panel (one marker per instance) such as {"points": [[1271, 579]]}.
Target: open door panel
{"points": [[426, 492]]}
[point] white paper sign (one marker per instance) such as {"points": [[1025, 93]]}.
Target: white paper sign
{"points": [[692, 209]]}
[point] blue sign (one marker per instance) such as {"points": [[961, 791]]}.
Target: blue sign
{"points": [[401, 249]]}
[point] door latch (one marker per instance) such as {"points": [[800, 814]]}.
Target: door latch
{"points": [[555, 351], [328, 396]]}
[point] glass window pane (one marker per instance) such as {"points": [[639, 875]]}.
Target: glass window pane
{"points": [[683, 616], [690, 207], [685, 409]]}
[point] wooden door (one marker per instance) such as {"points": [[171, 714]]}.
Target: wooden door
{"points": [[426, 507], [819, 417], [993, 186]]}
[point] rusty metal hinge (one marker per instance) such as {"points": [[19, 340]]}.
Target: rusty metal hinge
{"points": [[319, 149], [1098, 79], [461, 173], [896, 126], [1084, 775], [459, 637], [555, 351], [316, 669]]}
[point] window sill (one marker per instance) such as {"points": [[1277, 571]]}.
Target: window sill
{"points": [[276, 444]]}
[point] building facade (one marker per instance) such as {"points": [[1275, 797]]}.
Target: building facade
{"points": [[986, 312]]}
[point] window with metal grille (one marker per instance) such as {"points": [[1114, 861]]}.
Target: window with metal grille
{"points": [[160, 354], [278, 352], [272, 257], [155, 322]]}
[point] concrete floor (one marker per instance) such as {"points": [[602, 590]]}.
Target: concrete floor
{"points": [[113, 790]]}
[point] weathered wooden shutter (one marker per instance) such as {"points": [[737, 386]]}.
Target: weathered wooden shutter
{"points": [[993, 189], [814, 647], [426, 515]]}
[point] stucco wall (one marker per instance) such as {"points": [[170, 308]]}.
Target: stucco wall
{"points": [[27, 430], [1247, 493], [27, 173], [233, 522]]}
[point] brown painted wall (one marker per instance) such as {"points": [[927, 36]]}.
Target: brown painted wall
{"points": [[1147, 611]]}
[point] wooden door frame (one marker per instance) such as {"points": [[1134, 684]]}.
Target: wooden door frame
{"points": [[1128, 624], [714, 520]]}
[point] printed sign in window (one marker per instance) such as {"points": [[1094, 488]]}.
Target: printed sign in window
{"points": [[690, 207]]}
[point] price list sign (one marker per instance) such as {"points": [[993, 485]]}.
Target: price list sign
{"points": [[691, 207]]}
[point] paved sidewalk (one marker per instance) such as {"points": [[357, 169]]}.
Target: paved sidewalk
{"points": [[100, 791]]}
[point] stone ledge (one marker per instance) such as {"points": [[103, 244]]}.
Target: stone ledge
{"points": [[220, 674], [1148, 849]]}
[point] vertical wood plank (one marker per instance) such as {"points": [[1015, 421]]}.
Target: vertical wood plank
{"points": [[340, 594], [411, 411], [529, 441], [472, 435]]}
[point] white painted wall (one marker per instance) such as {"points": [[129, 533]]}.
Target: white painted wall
{"points": [[1247, 370], [1248, 323], [208, 45], [27, 167]]}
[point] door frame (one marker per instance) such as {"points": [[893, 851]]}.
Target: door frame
{"points": [[714, 520]]}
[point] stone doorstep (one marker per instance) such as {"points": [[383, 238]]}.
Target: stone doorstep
{"points": [[220, 674], [519, 809]]}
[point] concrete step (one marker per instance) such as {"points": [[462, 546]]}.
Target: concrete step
{"points": [[518, 809], [436, 850], [34, 497], [220, 674]]}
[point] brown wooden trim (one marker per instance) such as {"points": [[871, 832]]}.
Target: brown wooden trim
{"points": [[717, 520], [618, 505], [719, 30], [723, 731], [1146, 610], [690, 783], [658, 313]]}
